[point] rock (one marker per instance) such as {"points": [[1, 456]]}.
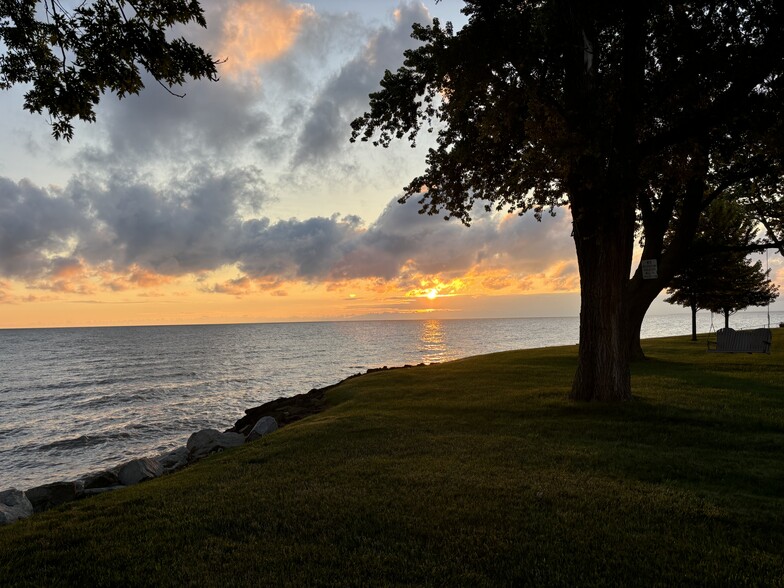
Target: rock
{"points": [[285, 410], [264, 426], [14, 505], [101, 480], [207, 441], [54, 494], [173, 460], [139, 470]]}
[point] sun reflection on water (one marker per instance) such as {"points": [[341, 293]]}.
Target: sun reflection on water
{"points": [[432, 342]]}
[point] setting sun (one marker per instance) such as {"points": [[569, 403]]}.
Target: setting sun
{"points": [[432, 294]]}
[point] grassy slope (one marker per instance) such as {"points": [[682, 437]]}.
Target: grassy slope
{"points": [[473, 472]]}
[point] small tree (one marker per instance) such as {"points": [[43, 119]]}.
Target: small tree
{"points": [[718, 275], [687, 288], [747, 284]]}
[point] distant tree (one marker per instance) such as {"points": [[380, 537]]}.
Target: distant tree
{"points": [[687, 287], [635, 114], [746, 284], [70, 56], [718, 274]]}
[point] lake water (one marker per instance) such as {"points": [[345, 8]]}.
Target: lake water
{"points": [[79, 400]]}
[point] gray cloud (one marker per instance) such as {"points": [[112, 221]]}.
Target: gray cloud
{"points": [[201, 221], [345, 96], [212, 122], [188, 226], [401, 237], [34, 224], [240, 116], [296, 249]]}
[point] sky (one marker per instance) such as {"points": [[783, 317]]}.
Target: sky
{"points": [[244, 201]]}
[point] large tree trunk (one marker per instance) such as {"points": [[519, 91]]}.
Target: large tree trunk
{"points": [[602, 185], [604, 243], [726, 319]]}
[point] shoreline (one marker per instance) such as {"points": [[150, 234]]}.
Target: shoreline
{"points": [[258, 421]]}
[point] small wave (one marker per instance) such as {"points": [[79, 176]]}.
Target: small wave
{"points": [[7, 433], [82, 441], [85, 383], [129, 396]]}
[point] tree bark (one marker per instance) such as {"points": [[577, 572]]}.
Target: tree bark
{"points": [[604, 247], [602, 183], [726, 319]]}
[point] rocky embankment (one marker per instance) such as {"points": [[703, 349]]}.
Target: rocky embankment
{"points": [[257, 422]]}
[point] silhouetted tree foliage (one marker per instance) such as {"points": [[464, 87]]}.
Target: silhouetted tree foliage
{"points": [[746, 285], [635, 114], [718, 274], [768, 208], [70, 55]]}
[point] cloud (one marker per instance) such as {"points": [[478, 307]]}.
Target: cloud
{"points": [[5, 293], [188, 225], [35, 225], [403, 239], [258, 31], [294, 80], [66, 275], [125, 232], [345, 96], [137, 277], [212, 123], [294, 249], [237, 287]]}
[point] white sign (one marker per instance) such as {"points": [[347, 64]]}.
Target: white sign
{"points": [[649, 269]]}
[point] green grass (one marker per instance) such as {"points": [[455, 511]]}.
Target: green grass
{"points": [[475, 472]]}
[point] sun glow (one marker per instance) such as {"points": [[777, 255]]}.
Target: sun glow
{"points": [[432, 294]]}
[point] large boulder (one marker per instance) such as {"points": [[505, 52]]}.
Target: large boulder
{"points": [[264, 426], [139, 470], [54, 494], [14, 505], [173, 460], [207, 441], [101, 480]]}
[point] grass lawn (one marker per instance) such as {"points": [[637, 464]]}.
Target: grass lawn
{"points": [[474, 472]]}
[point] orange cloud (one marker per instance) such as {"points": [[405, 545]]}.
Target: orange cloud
{"points": [[244, 286], [76, 286], [5, 295], [137, 277], [560, 277], [147, 279], [237, 287], [66, 276], [70, 270], [257, 31]]}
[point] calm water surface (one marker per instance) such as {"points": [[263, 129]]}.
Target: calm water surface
{"points": [[78, 400]]}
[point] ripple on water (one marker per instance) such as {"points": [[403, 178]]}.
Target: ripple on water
{"points": [[82, 441]]}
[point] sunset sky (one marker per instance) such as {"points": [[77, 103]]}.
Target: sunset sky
{"points": [[245, 201]]}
